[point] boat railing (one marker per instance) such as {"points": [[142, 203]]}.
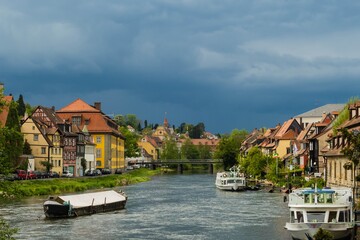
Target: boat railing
{"points": [[321, 197]]}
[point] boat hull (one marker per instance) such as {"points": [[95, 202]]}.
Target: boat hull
{"points": [[231, 181], [54, 210], [306, 231], [84, 204], [231, 187]]}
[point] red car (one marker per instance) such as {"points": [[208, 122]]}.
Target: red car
{"points": [[22, 174]]}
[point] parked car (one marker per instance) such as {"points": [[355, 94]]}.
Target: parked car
{"points": [[8, 177], [67, 174], [118, 171], [95, 172], [105, 171], [129, 168], [135, 166], [54, 175], [22, 174], [40, 174]]}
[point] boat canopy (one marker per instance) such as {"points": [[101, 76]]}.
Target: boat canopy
{"points": [[319, 191], [91, 199]]}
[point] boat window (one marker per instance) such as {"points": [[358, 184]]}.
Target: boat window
{"points": [[348, 215], [344, 216], [328, 197], [300, 217], [341, 216], [231, 181], [321, 198], [316, 216], [309, 198], [332, 216], [292, 217]]}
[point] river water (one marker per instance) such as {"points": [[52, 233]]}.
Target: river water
{"points": [[167, 207]]}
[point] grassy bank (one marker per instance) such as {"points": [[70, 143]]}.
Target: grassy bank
{"points": [[29, 188]]}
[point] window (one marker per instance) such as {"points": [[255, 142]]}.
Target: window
{"points": [[43, 150], [288, 150], [316, 216], [76, 120], [332, 216], [36, 137], [98, 139], [98, 153]]}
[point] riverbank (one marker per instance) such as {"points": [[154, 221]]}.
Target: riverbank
{"points": [[28, 188]]}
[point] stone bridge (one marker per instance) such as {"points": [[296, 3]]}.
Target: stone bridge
{"points": [[180, 163]]}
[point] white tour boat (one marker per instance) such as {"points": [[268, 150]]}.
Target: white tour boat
{"points": [[330, 209], [232, 180]]}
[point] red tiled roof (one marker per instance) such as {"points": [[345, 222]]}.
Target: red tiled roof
{"points": [[78, 106], [97, 121], [209, 142]]}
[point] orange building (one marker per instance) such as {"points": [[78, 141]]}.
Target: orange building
{"points": [[110, 152]]}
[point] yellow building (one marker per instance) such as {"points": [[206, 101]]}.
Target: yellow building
{"points": [[44, 142], [149, 147], [283, 139], [110, 151]]}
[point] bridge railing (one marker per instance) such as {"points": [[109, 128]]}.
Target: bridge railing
{"points": [[184, 161]]}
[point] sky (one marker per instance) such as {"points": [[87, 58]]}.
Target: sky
{"points": [[230, 64]]}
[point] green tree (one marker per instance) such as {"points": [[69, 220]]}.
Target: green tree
{"points": [[352, 150], [197, 131], [48, 165], [6, 232], [11, 147], [120, 120], [145, 124], [239, 136], [255, 163], [170, 150], [228, 151], [21, 106], [131, 146], [13, 117], [30, 109], [189, 150], [322, 234], [27, 148], [343, 116], [204, 151], [130, 119], [83, 165]]}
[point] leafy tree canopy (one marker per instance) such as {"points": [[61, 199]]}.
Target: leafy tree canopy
{"points": [[6, 232], [352, 151], [131, 146], [21, 107], [228, 151], [189, 150], [170, 150], [13, 120]]}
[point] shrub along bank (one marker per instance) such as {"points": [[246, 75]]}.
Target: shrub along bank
{"points": [[27, 188]]}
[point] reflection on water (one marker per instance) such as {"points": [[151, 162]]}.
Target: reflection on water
{"points": [[168, 207]]}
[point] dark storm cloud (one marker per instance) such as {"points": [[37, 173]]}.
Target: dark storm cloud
{"points": [[230, 64]]}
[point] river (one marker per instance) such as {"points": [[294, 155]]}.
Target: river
{"points": [[167, 207]]}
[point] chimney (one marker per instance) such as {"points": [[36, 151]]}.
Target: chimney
{"points": [[97, 105]]}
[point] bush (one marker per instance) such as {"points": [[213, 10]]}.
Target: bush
{"points": [[6, 232]]}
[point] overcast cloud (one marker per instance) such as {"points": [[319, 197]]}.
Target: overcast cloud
{"points": [[229, 64]]}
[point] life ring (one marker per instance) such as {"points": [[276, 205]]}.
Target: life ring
{"points": [[224, 175]]}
